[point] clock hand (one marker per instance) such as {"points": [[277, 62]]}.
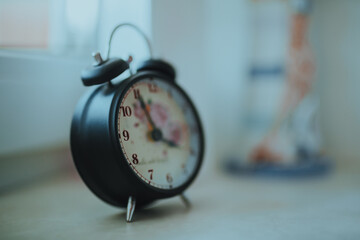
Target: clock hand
{"points": [[147, 114], [169, 142], [155, 133]]}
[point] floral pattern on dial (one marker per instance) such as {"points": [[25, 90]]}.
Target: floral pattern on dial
{"points": [[154, 123], [171, 129]]}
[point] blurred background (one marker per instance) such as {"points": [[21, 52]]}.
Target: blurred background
{"points": [[232, 57]]}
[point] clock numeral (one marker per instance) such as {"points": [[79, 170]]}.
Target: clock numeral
{"points": [[152, 87], [126, 110], [136, 93], [169, 178], [126, 135], [135, 159], [151, 173]]}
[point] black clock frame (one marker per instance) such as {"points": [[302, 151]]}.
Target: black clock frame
{"points": [[96, 149]]}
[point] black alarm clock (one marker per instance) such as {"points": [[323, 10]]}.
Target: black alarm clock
{"points": [[137, 140]]}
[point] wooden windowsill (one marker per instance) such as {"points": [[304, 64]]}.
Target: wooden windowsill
{"points": [[223, 207]]}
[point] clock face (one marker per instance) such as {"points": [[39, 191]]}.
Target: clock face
{"points": [[159, 133]]}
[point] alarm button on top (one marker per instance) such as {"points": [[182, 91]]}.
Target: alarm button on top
{"points": [[103, 71]]}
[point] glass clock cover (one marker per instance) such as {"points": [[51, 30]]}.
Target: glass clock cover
{"points": [[159, 133]]}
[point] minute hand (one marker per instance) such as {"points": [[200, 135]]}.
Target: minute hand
{"points": [[147, 114], [169, 142]]}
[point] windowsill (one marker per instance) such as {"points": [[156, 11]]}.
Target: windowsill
{"points": [[37, 54], [223, 206]]}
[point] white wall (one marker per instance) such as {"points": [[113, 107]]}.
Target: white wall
{"points": [[205, 42], [336, 39], [126, 40]]}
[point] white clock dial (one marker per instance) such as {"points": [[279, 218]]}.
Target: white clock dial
{"points": [[159, 133]]}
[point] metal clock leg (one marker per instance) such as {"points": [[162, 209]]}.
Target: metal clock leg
{"points": [[130, 209], [185, 200]]}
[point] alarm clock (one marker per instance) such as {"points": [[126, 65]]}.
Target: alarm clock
{"points": [[136, 140]]}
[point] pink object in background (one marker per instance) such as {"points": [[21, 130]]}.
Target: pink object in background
{"points": [[300, 69]]}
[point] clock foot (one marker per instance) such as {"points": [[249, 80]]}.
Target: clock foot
{"points": [[185, 200], [130, 208]]}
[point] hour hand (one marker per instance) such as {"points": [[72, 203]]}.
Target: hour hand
{"points": [[157, 136]]}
